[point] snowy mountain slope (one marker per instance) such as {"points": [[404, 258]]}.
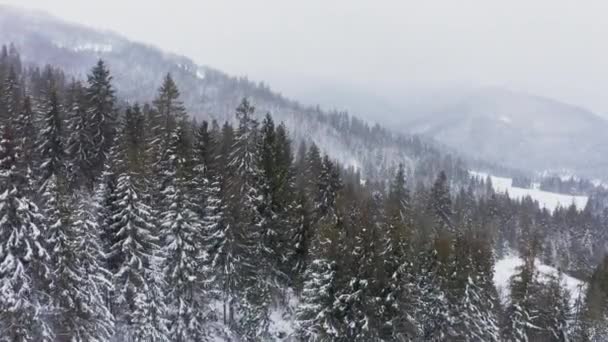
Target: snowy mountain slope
{"points": [[506, 267], [513, 129], [207, 93], [548, 200]]}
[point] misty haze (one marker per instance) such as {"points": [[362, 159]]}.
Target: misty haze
{"points": [[323, 171]]}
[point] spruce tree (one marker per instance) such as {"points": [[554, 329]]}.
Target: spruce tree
{"points": [[24, 260], [182, 243], [317, 317], [521, 311], [101, 112], [440, 205], [471, 290], [167, 113], [26, 134], [80, 282], [79, 145], [397, 312], [94, 321], [50, 145], [134, 255]]}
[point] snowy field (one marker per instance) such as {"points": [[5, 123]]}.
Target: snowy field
{"points": [[507, 267], [548, 200]]}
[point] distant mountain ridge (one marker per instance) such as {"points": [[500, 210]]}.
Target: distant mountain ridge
{"points": [[520, 130]]}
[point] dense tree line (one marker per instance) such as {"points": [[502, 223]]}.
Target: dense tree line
{"points": [[129, 222]]}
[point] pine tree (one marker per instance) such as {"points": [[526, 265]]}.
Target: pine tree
{"points": [[79, 145], [244, 213], [431, 305], [134, 253], [203, 168], [277, 191], [327, 184], [11, 94], [51, 148], [80, 282], [555, 309], [590, 324], [182, 243], [312, 171], [24, 268], [26, 131], [225, 243], [101, 110], [440, 204], [301, 239], [359, 300], [168, 112], [521, 312], [316, 316], [472, 289], [397, 312], [94, 321]]}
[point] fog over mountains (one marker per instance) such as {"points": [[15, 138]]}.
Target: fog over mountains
{"points": [[494, 124]]}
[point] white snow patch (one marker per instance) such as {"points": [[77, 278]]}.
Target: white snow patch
{"points": [[546, 199], [200, 74], [506, 267], [94, 47]]}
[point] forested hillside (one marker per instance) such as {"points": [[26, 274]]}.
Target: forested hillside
{"points": [[209, 94], [124, 221]]}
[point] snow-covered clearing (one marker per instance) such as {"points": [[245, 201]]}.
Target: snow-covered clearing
{"points": [[548, 200], [507, 267]]}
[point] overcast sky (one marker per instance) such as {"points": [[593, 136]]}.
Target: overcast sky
{"points": [[546, 47]]}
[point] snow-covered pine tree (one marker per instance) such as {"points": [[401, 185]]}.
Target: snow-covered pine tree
{"points": [[24, 261], [202, 167], [397, 314], [278, 188], [520, 314], [328, 183], [301, 219], [79, 282], [93, 320], [471, 290], [183, 241], [554, 310], [26, 135], [244, 216], [205, 144], [134, 252], [591, 323], [79, 145], [312, 171], [51, 149], [440, 205], [168, 112], [431, 305], [301, 238], [11, 94], [316, 317], [225, 242], [359, 300], [101, 112]]}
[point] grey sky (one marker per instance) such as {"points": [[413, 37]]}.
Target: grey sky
{"points": [[547, 47]]}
